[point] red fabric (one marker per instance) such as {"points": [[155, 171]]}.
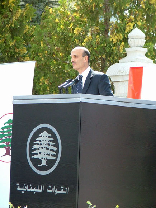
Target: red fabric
{"points": [[135, 82]]}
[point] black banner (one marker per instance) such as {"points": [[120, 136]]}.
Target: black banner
{"points": [[44, 156]]}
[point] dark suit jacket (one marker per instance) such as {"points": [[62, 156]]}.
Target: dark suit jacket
{"points": [[97, 83]]}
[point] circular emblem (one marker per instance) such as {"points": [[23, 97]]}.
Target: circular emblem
{"points": [[44, 149]]}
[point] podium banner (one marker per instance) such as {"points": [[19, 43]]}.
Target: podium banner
{"points": [[16, 79], [44, 167], [142, 83], [70, 149]]}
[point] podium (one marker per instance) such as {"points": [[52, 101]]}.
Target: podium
{"points": [[70, 149]]}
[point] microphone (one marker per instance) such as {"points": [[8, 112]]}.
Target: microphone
{"points": [[70, 84], [62, 85], [66, 82]]}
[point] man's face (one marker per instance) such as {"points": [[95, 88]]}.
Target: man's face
{"points": [[79, 62]]}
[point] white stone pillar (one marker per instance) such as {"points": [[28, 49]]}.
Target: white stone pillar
{"points": [[119, 72]]}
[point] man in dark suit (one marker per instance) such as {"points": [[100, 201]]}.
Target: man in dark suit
{"points": [[88, 81]]}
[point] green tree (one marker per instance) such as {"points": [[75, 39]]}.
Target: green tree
{"points": [[39, 6], [110, 22], [101, 26], [16, 31], [51, 46], [138, 13], [5, 136]]}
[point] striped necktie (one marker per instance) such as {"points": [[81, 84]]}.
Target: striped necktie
{"points": [[79, 85]]}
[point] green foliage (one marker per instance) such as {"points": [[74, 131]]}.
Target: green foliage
{"points": [[101, 26], [16, 31], [12, 206], [51, 48], [39, 6], [90, 204]]}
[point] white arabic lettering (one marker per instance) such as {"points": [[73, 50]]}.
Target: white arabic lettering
{"points": [[41, 188]]}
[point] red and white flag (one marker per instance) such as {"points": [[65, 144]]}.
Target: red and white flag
{"points": [[142, 84]]}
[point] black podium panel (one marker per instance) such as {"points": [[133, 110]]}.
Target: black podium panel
{"points": [[117, 156], [70, 150], [45, 151]]}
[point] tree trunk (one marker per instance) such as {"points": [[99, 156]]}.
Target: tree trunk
{"points": [[107, 15], [7, 149]]}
